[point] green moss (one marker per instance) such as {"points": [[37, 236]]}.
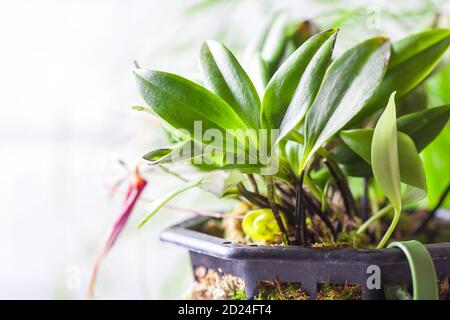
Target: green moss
{"points": [[239, 295], [344, 240], [280, 291], [339, 292]]}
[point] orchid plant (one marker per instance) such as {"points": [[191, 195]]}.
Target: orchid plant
{"points": [[303, 130], [322, 116]]}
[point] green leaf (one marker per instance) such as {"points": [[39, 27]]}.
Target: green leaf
{"points": [[436, 157], [259, 72], [158, 204], [394, 158], [224, 76], [292, 89], [184, 150], [423, 273], [411, 170], [423, 127], [292, 151], [349, 83], [413, 58], [360, 142], [158, 155], [385, 163], [384, 155], [181, 103], [413, 101]]}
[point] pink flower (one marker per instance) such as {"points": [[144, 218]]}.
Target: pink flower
{"points": [[135, 188]]}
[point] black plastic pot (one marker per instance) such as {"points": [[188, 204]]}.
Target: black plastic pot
{"points": [[307, 266]]}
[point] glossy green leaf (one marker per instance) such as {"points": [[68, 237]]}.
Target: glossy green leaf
{"points": [[259, 72], [360, 142], [384, 155], [413, 101], [292, 89], [348, 84], [158, 204], [184, 150], [393, 153], [181, 103], [293, 151], [424, 126], [412, 60], [158, 155], [436, 157], [385, 164], [424, 279], [224, 76]]}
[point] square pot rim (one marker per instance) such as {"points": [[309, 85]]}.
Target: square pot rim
{"points": [[186, 234]]}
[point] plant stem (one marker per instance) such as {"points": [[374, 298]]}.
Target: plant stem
{"points": [[252, 179], [326, 189], [374, 218], [432, 213], [316, 209], [314, 191], [349, 201], [364, 215], [300, 216], [251, 197], [173, 173], [274, 207], [390, 230]]}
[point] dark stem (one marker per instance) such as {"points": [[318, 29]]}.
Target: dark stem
{"points": [[300, 214], [432, 212], [285, 195], [364, 214], [262, 202], [274, 207], [252, 179], [252, 197], [322, 215], [349, 201]]}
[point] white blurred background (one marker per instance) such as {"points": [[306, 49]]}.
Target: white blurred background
{"points": [[65, 95]]}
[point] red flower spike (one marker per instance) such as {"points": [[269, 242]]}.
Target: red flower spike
{"points": [[135, 189]]}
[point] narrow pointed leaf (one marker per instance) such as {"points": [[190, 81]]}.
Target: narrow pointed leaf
{"points": [[292, 89], [259, 73], [385, 164], [413, 58], [224, 76], [181, 103], [184, 150], [410, 166], [158, 204], [349, 83], [436, 157], [423, 127], [384, 155]]}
